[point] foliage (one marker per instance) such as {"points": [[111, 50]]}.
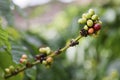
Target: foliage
{"points": [[4, 39]]}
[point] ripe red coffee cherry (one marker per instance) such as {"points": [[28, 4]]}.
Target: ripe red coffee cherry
{"points": [[97, 27]]}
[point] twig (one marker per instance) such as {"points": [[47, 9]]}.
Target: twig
{"points": [[71, 43]]}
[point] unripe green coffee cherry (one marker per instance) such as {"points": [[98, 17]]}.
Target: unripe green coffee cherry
{"points": [[89, 23], [86, 27], [44, 62], [91, 12], [12, 68], [47, 66], [114, 74], [100, 22], [94, 17], [96, 33], [48, 50], [88, 15], [84, 15], [7, 70], [82, 20], [42, 50], [25, 61], [45, 50]]}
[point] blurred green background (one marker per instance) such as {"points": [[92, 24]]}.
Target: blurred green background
{"points": [[30, 25]]}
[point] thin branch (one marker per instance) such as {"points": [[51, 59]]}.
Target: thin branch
{"points": [[71, 43]]}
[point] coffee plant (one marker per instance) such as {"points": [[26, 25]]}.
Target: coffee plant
{"points": [[92, 27], [36, 54]]}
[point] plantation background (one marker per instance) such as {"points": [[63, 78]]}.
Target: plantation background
{"points": [[24, 29]]}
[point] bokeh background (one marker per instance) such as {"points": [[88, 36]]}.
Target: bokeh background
{"points": [[35, 23]]}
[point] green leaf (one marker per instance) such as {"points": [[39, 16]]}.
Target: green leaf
{"points": [[31, 73], [1, 74], [17, 51], [16, 77], [4, 42], [5, 59], [5, 62]]}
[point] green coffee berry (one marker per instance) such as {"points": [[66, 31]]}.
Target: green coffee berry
{"points": [[7, 70], [91, 12], [45, 50], [12, 68], [25, 61], [84, 15], [89, 23], [44, 62], [86, 27], [82, 20], [100, 22], [48, 66], [48, 50], [98, 32], [94, 17], [88, 15], [42, 50]]}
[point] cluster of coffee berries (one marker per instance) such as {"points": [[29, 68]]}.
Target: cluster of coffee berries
{"points": [[46, 50], [43, 56], [10, 70], [24, 59], [92, 24]]}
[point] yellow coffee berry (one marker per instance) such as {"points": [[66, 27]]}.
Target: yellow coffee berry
{"points": [[24, 56], [49, 59]]}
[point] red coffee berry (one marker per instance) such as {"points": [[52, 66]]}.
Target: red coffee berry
{"points": [[90, 31], [97, 27]]}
